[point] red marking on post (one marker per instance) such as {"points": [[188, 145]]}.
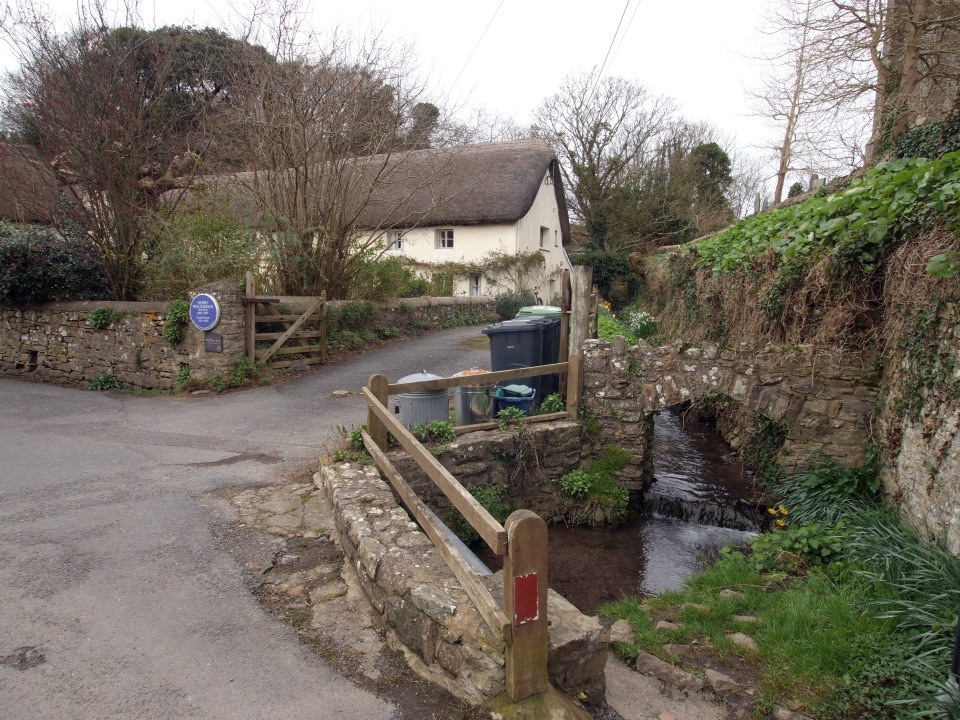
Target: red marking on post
{"points": [[526, 599]]}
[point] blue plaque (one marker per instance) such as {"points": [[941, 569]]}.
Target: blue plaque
{"points": [[204, 312]]}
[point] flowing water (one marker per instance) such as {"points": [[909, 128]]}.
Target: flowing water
{"points": [[698, 502]]}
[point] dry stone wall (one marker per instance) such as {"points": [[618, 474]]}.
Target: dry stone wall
{"points": [[824, 398], [55, 342], [424, 610]]}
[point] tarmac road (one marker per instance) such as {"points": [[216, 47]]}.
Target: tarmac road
{"points": [[109, 568]]}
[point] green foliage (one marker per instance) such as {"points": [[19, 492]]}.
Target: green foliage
{"points": [[943, 265], [198, 244], [491, 497], [608, 327], [931, 140], [242, 373], [100, 318], [435, 431], [178, 315], [595, 487], [576, 485], [929, 369], [354, 316], [826, 490], [609, 269], [183, 375], [795, 189], [106, 381], [39, 265], [639, 322], [509, 418], [509, 303], [760, 451], [850, 229], [388, 331], [388, 277], [552, 403], [796, 546]]}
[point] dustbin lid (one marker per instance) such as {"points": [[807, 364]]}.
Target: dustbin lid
{"points": [[422, 376], [521, 325], [541, 310], [471, 372], [516, 391]]}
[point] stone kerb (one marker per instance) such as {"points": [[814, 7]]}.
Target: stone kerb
{"points": [[825, 399], [425, 613]]}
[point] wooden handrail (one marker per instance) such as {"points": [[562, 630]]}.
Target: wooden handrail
{"points": [[492, 532], [479, 379], [491, 613]]}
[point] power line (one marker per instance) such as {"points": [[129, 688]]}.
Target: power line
{"points": [[626, 31], [612, 41], [482, 35]]}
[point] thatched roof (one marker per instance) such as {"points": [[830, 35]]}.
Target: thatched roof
{"points": [[468, 185], [29, 191]]}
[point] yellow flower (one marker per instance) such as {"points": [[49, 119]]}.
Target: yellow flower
{"points": [[781, 523], [772, 511], [784, 511]]}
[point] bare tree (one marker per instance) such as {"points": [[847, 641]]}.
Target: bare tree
{"points": [[112, 111], [326, 132], [600, 129]]}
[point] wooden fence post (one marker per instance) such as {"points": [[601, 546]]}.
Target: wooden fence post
{"points": [[580, 307], [564, 326], [323, 328], [525, 604], [377, 384], [249, 319]]}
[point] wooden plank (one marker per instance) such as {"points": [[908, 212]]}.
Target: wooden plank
{"points": [[275, 318], [574, 385], [482, 521], [525, 604], [546, 417], [292, 363], [291, 330], [378, 431], [323, 329], [292, 349], [249, 311], [485, 379], [491, 613], [299, 334]]}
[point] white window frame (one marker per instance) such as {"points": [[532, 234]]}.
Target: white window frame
{"points": [[444, 239], [544, 237], [474, 285], [395, 240]]}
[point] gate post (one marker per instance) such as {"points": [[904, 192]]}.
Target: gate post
{"points": [[249, 318], [525, 604]]}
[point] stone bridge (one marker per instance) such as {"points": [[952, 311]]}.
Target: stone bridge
{"points": [[825, 399]]}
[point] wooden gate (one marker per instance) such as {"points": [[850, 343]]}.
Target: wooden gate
{"points": [[303, 335]]}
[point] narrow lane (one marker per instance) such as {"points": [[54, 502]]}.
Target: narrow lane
{"points": [[111, 572]]}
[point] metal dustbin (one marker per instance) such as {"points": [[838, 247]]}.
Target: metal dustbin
{"points": [[422, 406], [472, 403]]}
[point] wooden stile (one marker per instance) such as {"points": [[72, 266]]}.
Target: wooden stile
{"points": [[378, 431]]}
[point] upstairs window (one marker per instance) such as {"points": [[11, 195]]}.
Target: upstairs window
{"points": [[395, 240], [544, 236], [444, 239]]}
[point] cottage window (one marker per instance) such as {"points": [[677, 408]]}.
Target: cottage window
{"points": [[474, 286], [444, 239], [544, 236], [395, 240]]}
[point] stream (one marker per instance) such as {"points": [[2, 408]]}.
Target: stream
{"points": [[697, 503]]}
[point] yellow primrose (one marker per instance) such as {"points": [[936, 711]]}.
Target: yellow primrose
{"points": [[781, 523]]}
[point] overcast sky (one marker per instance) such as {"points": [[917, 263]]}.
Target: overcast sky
{"points": [[696, 51]]}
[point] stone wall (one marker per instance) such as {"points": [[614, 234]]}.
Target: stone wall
{"points": [[495, 457], [824, 398], [424, 610], [55, 342]]}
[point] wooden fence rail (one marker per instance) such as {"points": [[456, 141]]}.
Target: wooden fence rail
{"points": [[522, 622]]}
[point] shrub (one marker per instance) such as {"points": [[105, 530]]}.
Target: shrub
{"points": [[387, 277], [552, 403], [576, 485], [106, 381], [640, 323], [40, 265], [509, 303], [242, 372], [100, 318], [178, 315], [355, 316], [434, 431], [931, 140], [195, 246]]}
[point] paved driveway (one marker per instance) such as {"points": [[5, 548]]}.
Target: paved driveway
{"points": [[109, 567]]}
